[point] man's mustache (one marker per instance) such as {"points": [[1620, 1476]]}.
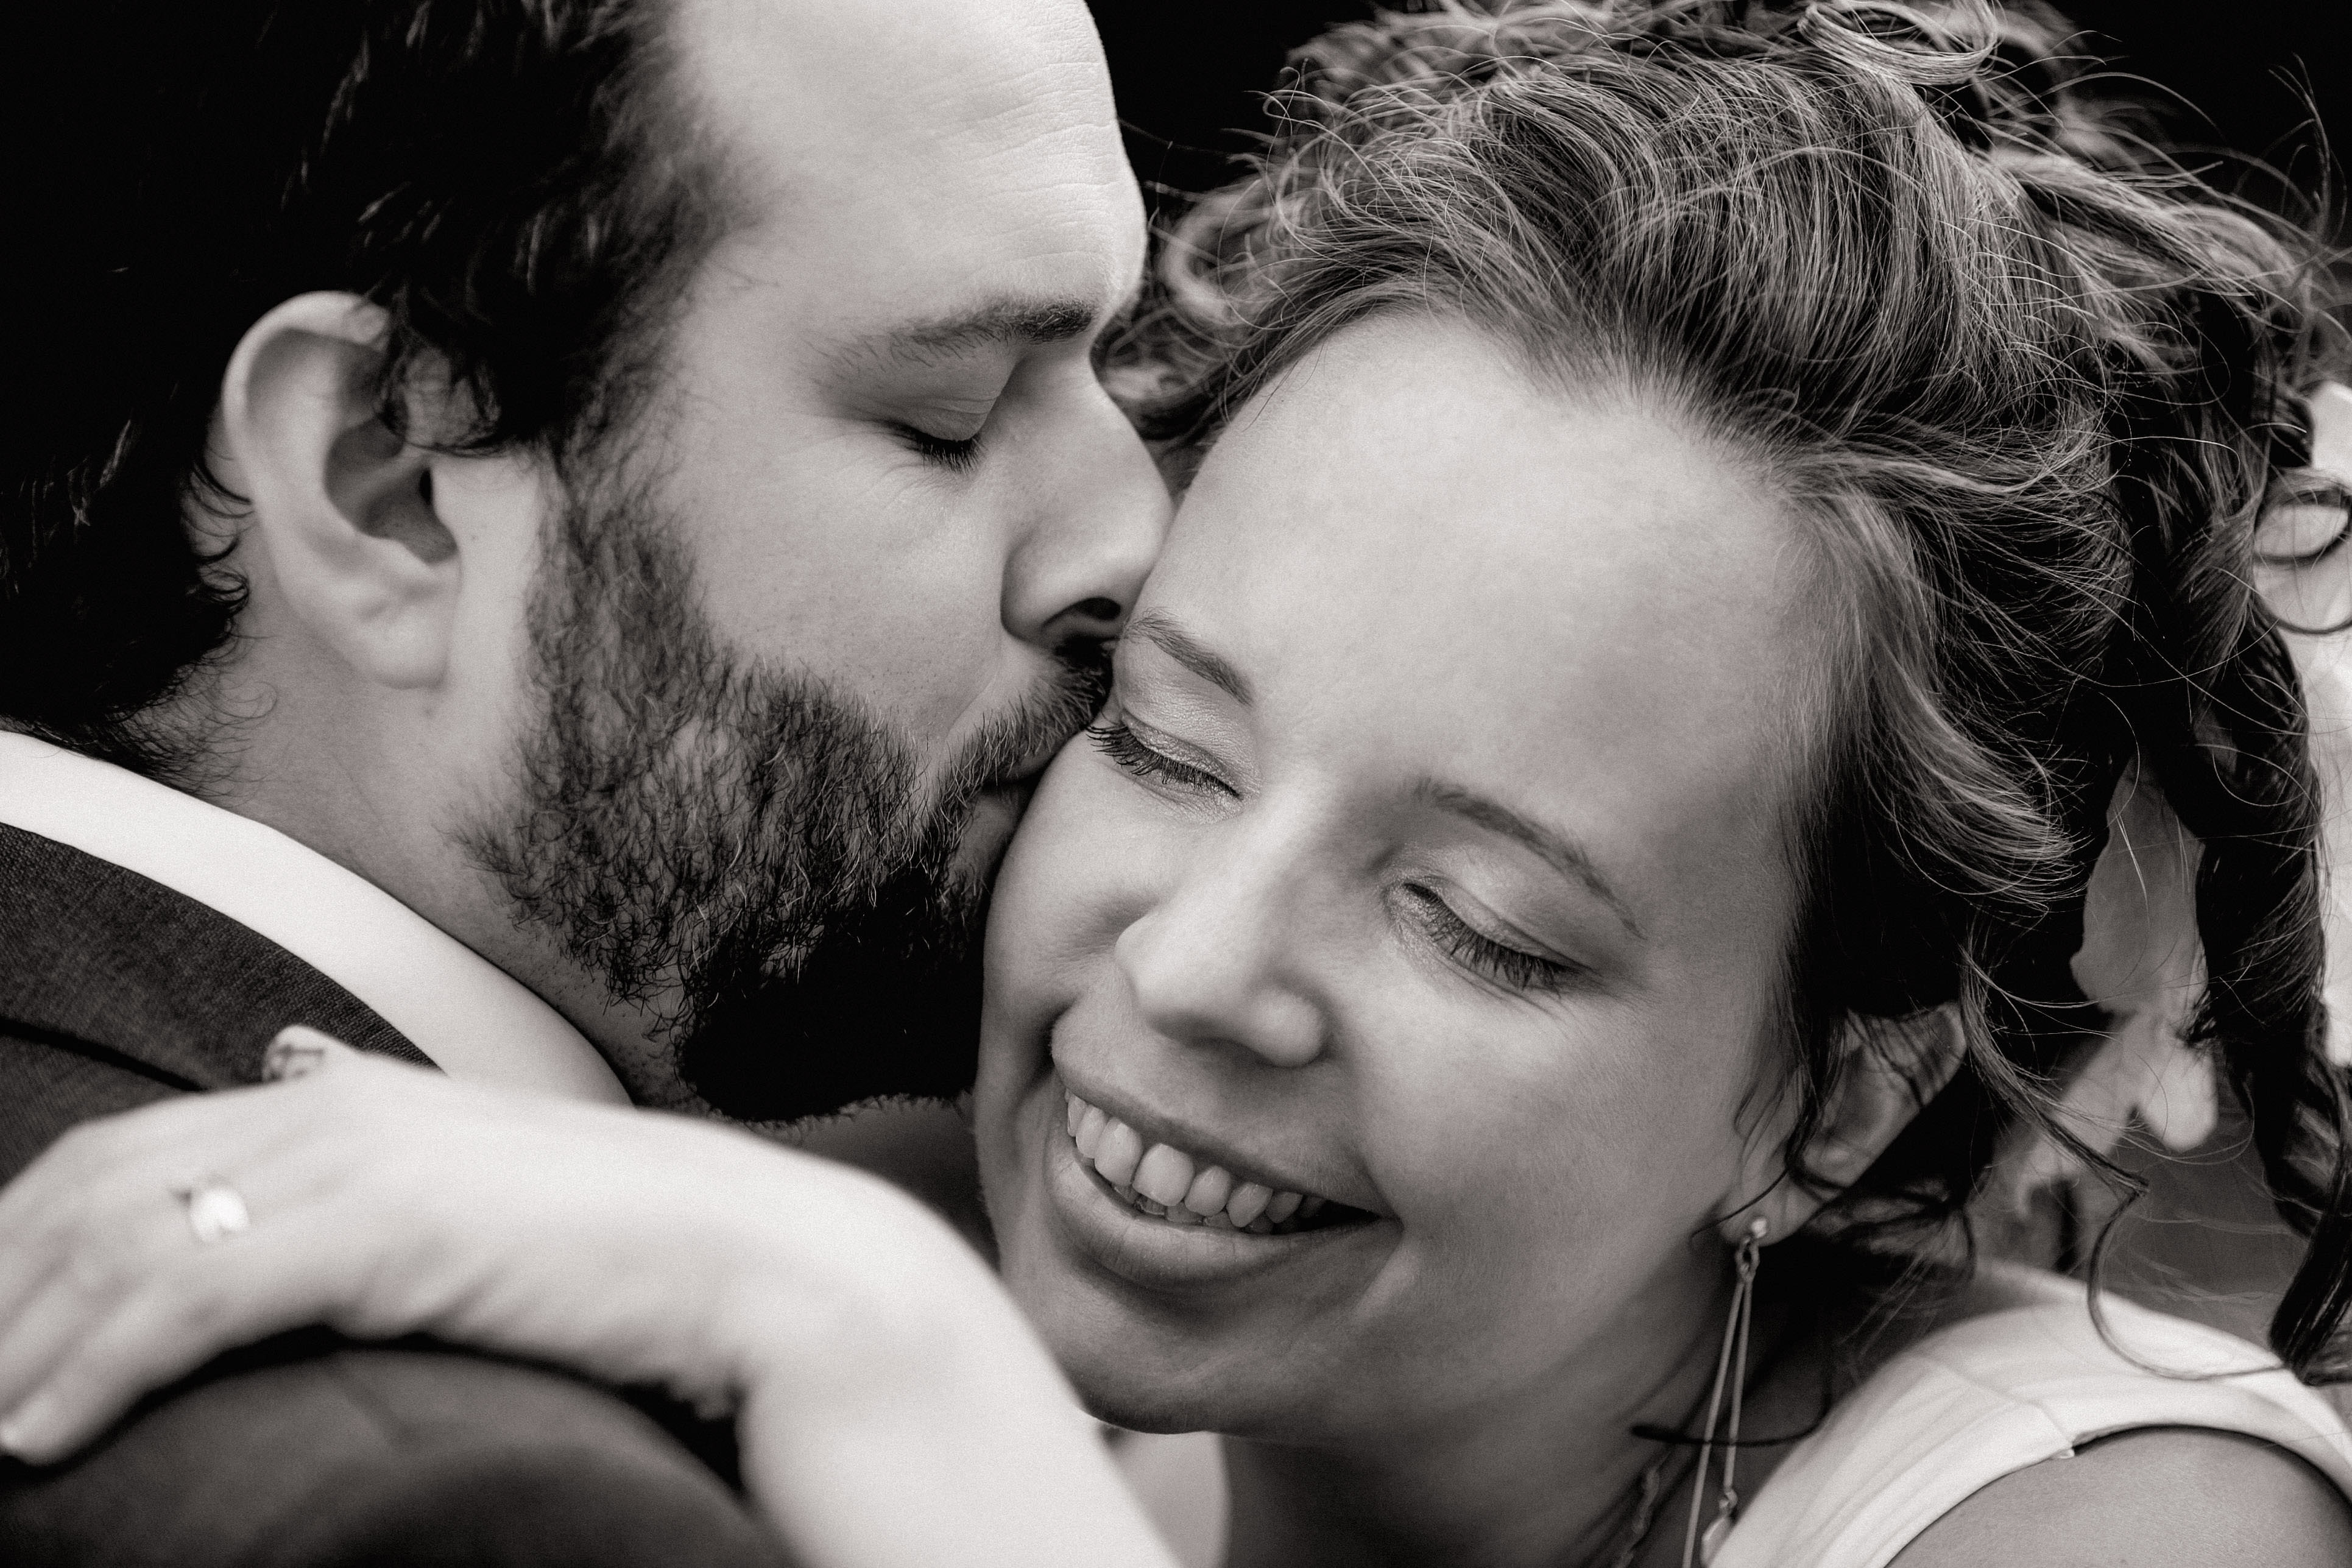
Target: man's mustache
{"points": [[885, 1000], [1016, 745]]}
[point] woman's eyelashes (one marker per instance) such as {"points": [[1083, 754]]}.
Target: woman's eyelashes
{"points": [[1498, 963], [1512, 967], [1130, 754], [958, 455]]}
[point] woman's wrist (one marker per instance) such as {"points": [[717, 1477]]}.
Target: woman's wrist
{"points": [[897, 1408], [836, 1276], [967, 1451]]}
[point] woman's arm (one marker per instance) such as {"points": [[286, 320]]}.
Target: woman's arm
{"points": [[892, 1407]]}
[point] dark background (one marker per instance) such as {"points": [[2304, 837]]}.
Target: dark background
{"points": [[2243, 75]]}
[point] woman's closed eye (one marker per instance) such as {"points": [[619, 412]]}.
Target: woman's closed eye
{"points": [[1131, 754], [957, 454], [1514, 968]]}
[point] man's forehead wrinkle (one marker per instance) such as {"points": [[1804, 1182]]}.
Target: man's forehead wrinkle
{"points": [[818, 89], [1565, 854], [1030, 100], [1006, 74]]}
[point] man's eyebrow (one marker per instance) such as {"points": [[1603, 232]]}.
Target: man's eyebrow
{"points": [[1566, 856], [1180, 645], [1017, 321]]}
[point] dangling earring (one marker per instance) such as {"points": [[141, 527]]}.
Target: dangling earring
{"points": [[1731, 1368]]}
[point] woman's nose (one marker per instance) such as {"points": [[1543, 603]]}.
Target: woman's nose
{"points": [[1215, 964]]}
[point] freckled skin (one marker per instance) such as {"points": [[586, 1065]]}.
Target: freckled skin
{"points": [[1422, 566], [1419, 564]]}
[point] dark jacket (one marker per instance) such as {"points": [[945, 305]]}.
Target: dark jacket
{"points": [[114, 991]]}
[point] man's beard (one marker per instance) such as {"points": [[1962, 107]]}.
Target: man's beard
{"points": [[742, 850]]}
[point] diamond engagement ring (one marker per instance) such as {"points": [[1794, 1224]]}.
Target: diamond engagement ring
{"points": [[215, 1209]]}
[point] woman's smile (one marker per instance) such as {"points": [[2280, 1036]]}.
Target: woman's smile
{"points": [[1166, 1217]]}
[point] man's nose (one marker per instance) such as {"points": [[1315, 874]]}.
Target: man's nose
{"points": [[1074, 572]]}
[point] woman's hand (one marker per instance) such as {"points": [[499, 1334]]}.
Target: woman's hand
{"points": [[387, 1200], [892, 1407]]}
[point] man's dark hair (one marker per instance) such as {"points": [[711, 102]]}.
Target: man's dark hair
{"points": [[510, 180]]}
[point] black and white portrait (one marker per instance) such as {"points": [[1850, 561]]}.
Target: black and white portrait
{"points": [[907, 784]]}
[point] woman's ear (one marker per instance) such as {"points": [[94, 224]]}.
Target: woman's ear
{"points": [[1893, 1068], [340, 506]]}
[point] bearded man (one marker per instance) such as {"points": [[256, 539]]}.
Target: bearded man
{"points": [[545, 537]]}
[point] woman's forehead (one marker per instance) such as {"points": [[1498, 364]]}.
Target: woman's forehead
{"points": [[1409, 534]]}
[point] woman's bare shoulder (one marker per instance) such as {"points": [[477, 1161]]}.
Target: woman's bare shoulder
{"points": [[2155, 1497]]}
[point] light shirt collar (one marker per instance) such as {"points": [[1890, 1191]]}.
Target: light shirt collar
{"points": [[473, 1020]]}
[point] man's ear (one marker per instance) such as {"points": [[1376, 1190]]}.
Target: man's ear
{"points": [[340, 506], [1893, 1068]]}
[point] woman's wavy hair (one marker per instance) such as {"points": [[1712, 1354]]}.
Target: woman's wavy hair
{"points": [[2034, 383]]}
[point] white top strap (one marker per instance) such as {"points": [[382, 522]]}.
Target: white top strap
{"points": [[1989, 1397]]}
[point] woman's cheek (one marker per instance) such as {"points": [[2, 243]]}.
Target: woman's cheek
{"points": [[1519, 1142], [1079, 871], [1056, 910]]}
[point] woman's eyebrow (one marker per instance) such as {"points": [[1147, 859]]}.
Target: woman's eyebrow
{"points": [[1565, 854], [1162, 632]]}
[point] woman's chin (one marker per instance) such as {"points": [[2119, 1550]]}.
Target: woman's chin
{"points": [[1161, 1327], [1114, 1395], [1129, 1377]]}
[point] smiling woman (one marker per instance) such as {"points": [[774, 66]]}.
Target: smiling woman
{"points": [[1694, 512], [1419, 830], [1421, 871]]}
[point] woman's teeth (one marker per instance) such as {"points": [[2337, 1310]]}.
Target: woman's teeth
{"points": [[1165, 1181]]}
